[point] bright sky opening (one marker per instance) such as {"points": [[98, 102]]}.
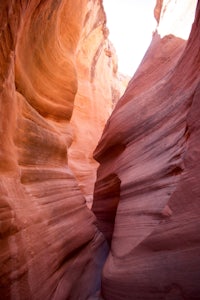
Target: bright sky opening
{"points": [[131, 23]]}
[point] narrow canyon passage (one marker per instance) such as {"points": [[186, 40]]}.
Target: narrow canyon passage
{"points": [[59, 83]]}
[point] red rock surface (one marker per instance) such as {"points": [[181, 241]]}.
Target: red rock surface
{"points": [[50, 247], [58, 74], [147, 191], [99, 88]]}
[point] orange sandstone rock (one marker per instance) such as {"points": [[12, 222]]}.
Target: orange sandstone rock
{"points": [[99, 88], [50, 247]]}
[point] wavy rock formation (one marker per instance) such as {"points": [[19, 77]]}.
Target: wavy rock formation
{"points": [[99, 88], [147, 190], [50, 247]]}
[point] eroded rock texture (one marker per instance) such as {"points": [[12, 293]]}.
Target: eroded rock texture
{"points": [[99, 88], [50, 247], [147, 191]]}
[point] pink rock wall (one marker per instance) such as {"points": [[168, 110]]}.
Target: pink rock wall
{"points": [[147, 190]]}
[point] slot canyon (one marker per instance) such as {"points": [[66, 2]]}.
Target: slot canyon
{"points": [[99, 173]]}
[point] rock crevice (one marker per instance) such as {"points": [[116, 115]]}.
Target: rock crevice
{"points": [[58, 85]]}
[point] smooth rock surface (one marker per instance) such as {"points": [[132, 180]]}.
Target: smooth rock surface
{"points": [[50, 247], [147, 190]]}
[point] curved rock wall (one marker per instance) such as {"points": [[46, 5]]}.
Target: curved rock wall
{"points": [[58, 74], [50, 247], [99, 88], [150, 147]]}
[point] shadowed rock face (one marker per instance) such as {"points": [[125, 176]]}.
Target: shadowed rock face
{"points": [[50, 247], [151, 145], [99, 87]]}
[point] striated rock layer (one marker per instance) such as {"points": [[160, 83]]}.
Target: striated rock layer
{"points": [[147, 190], [99, 88], [50, 247]]}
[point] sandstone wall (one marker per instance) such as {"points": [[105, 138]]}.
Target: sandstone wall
{"points": [[147, 190], [50, 247], [99, 88]]}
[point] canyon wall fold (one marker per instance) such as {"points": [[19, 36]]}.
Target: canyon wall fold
{"points": [[147, 191], [99, 88], [50, 247]]}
